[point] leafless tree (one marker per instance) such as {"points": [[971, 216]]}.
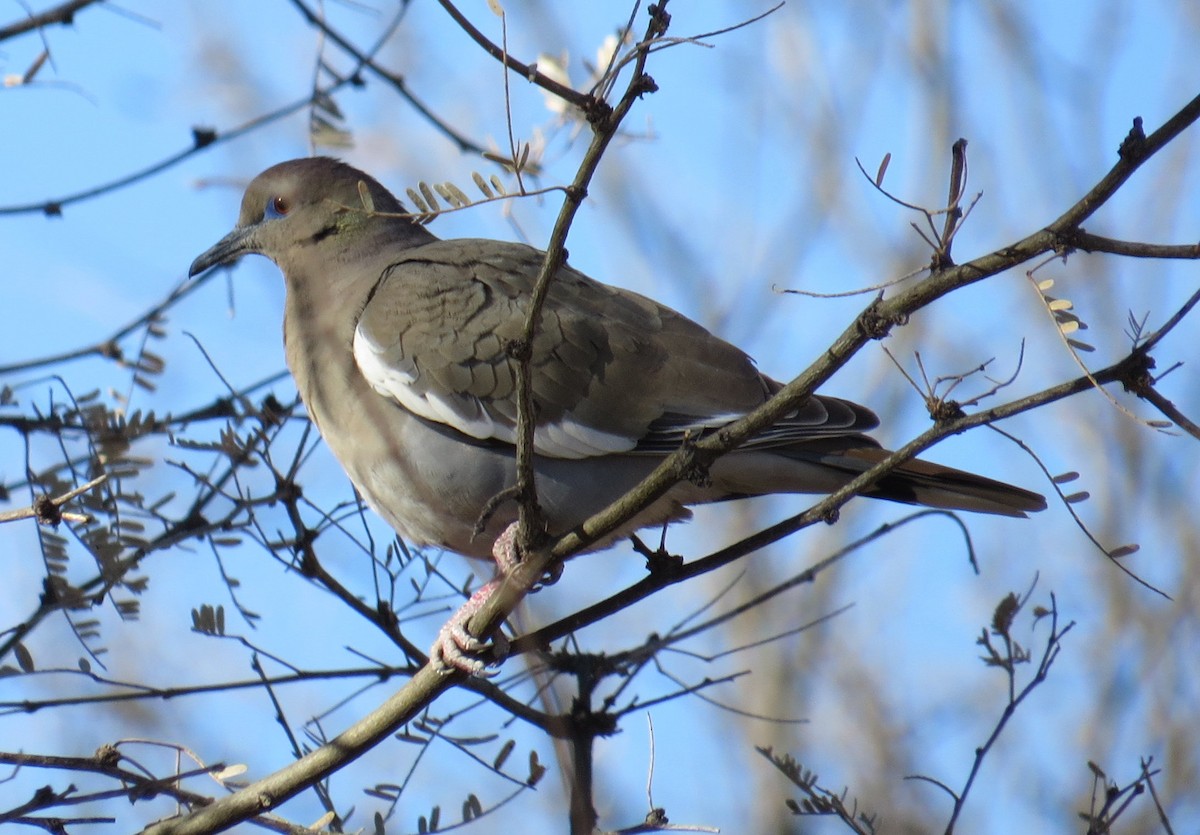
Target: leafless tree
{"points": [[205, 628]]}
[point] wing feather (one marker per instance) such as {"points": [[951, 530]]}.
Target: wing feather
{"points": [[612, 371]]}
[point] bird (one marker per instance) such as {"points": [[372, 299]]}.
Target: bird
{"points": [[398, 344]]}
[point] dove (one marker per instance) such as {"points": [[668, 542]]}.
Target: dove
{"points": [[397, 341]]}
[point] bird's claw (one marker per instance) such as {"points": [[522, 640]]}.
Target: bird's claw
{"points": [[455, 647]]}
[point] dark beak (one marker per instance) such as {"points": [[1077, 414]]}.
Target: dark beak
{"points": [[233, 246]]}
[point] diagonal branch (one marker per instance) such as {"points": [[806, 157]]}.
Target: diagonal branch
{"points": [[63, 14], [528, 71], [605, 128], [822, 510], [874, 323], [428, 683]]}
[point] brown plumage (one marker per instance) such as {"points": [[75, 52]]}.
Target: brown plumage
{"points": [[396, 340]]}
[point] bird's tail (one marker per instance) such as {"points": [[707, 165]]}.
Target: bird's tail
{"points": [[925, 483]]}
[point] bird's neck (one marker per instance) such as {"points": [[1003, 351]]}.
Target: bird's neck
{"points": [[328, 285], [330, 277], [320, 314]]}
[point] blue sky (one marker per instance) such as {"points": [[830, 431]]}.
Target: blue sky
{"points": [[736, 178]]}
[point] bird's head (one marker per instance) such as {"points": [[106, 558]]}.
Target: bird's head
{"points": [[304, 203]]}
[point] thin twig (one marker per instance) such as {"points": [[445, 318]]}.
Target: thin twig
{"points": [[63, 14], [47, 510]]}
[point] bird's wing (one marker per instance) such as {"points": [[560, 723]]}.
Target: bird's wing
{"points": [[612, 371]]}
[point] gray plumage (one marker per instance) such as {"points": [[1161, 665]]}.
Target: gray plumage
{"points": [[396, 341]]}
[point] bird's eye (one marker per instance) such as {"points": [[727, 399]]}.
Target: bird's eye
{"points": [[277, 207]]}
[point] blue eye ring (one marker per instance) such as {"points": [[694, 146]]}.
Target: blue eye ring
{"points": [[276, 207]]}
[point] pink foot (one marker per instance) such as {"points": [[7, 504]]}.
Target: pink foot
{"points": [[455, 647]]}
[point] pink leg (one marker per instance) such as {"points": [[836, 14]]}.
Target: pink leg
{"points": [[455, 647]]}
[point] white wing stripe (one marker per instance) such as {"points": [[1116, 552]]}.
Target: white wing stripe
{"points": [[564, 439]]}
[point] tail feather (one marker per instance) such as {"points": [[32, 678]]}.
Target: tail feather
{"points": [[826, 464], [935, 485]]}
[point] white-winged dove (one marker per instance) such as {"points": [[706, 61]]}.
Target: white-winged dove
{"points": [[396, 340]]}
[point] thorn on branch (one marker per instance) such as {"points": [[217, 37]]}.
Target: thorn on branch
{"points": [[656, 818], [310, 567], [598, 113], [944, 411], [589, 724], [518, 349], [46, 511], [645, 84], [659, 561], [1131, 146], [874, 325], [286, 490], [660, 20], [107, 756], [272, 412], [202, 137], [195, 522], [1136, 377]]}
